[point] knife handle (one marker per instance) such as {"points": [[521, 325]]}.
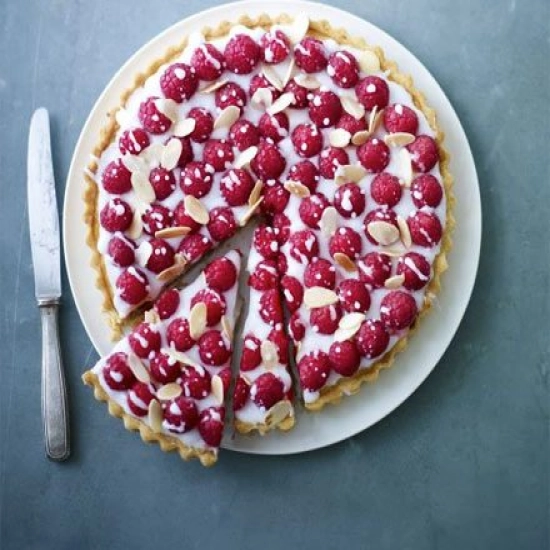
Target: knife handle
{"points": [[54, 393]]}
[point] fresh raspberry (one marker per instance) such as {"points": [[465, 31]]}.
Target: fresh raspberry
{"points": [[307, 140], [162, 256], [397, 310], [281, 225], [243, 134], [275, 47], [301, 95], [349, 200], [374, 269], [296, 327], [425, 229], [280, 339], [196, 383], [230, 94], [139, 397], [213, 349], [163, 182], [218, 153], [240, 394], [385, 189], [314, 369], [271, 310], [195, 247], [121, 251], [304, 246], [116, 215], [426, 191], [211, 425], [379, 215], [293, 292], [344, 357], [133, 141], [163, 368], [167, 303], [260, 81], [374, 155], [372, 339], [306, 173], [399, 118], [221, 274], [264, 276], [179, 82], [144, 339], [325, 109], [180, 415], [310, 55], [330, 159], [266, 390], [204, 124], [282, 264], [117, 373], [320, 272], [241, 54], [186, 154], [276, 198], [324, 320], [274, 127], [424, 153], [352, 124], [265, 242], [183, 219], [225, 375], [178, 334], [132, 285], [354, 296], [346, 241], [251, 355], [208, 62], [116, 178], [372, 91], [269, 162], [152, 119], [416, 270], [196, 179], [222, 224], [343, 69], [156, 218], [215, 305], [311, 209]]}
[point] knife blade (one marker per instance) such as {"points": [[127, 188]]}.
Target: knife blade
{"points": [[44, 233]]}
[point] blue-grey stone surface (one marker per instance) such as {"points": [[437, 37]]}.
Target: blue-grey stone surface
{"points": [[463, 464]]}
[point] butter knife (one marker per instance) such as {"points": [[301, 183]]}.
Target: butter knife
{"points": [[44, 232]]}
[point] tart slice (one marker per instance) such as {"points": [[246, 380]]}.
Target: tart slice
{"points": [[263, 389], [169, 377]]}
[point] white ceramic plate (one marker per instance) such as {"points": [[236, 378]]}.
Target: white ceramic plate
{"points": [[374, 401]]}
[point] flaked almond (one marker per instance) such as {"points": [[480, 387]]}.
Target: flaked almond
{"points": [[343, 334], [394, 282], [171, 232], [261, 98], [319, 296], [256, 192], [226, 327], [349, 173], [250, 212], [375, 118], [185, 127], [136, 227], [405, 167], [152, 154], [360, 137], [138, 369], [272, 77], [245, 157], [353, 107], [281, 103], [134, 163], [395, 250], [339, 138], [169, 391], [298, 29], [214, 86], [154, 415], [151, 317], [168, 107], [279, 412], [182, 358], [368, 62], [143, 253], [142, 187], [329, 221], [175, 270], [196, 210], [227, 117], [270, 354], [383, 232], [297, 188], [307, 81], [351, 320], [289, 72], [404, 231], [197, 320], [171, 154], [398, 139], [345, 262], [216, 385]]}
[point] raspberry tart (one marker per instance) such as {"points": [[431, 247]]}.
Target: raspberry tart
{"points": [[168, 379]]}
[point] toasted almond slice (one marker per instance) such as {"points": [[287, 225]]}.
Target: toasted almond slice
{"points": [[168, 107], [345, 262], [143, 188], [346, 173], [155, 416], [281, 103], [196, 210], [151, 317], [171, 154], [143, 253], [152, 154], [138, 369], [383, 232], [353, 107], [197, 320], [227, 117], [289, 72], [245, 157], [375, 118], [339, 138], [272, 77], [318, 296], [307, 81], [185, 127], [182, 358], [297, 188], [398, 139], [123, 118], [175, 270], [270, 354], [278, 413], [368, 61], [298, 29], [136, 227], [226, 327], [171, 232], [343, 334], [261, 98], [405, 167], [214, 86], [169, 391], [351, 320], [256, 192], [134, 163], [395, 250], [394, 282], [404, 231], [250, 212], [329, 221], [216, 385], [360, 137]]}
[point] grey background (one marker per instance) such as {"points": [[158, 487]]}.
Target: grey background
{"points": [[464, 463]]}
